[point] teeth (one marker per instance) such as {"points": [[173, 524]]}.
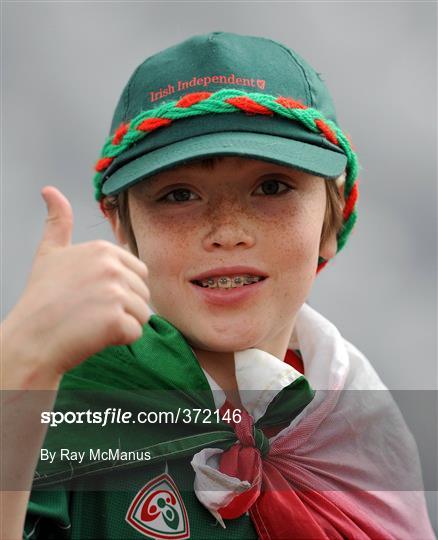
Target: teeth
{"points": [[226, 282]]}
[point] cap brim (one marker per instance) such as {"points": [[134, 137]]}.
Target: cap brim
{"points": [[284, 151]]}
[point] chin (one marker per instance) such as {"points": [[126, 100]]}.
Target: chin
{"points": [[220, 347], [221, 341]]}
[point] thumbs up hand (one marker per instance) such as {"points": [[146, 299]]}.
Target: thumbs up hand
{"points": [[78, 300], [59, 221]]}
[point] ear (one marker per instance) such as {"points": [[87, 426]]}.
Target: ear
{"points": [[119, 233], [328, 249]]}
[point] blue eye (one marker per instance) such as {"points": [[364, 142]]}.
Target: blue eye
{"points": [[272, 187]]}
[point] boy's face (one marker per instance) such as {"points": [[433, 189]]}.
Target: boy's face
{"points": [[193, 220]]}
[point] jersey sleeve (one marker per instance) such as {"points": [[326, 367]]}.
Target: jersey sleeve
{"points": [[47, 516]]}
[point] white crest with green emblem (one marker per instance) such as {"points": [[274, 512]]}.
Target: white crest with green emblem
{"points": [[158, 510]]}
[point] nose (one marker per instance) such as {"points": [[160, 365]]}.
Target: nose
{"points": [[228, 231]]}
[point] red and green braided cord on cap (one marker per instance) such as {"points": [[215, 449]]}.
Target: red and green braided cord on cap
{"points": [[234, 101]]}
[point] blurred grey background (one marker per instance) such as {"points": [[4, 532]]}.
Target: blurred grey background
{"points": [[64, 65]]}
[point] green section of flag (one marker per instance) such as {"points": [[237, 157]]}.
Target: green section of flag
{"points": [[157, 373]]}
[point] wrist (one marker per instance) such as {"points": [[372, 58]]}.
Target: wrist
{"points": [[23, 362]]}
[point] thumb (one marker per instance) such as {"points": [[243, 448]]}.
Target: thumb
{"points": [[59, 221]]}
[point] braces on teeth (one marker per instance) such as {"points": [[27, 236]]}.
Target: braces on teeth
{"points": [[226, 282]]}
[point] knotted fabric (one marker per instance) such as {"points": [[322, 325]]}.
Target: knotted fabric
{"points": [[278, 502]]}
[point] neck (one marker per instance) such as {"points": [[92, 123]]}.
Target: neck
{"points": [[220, 365]]}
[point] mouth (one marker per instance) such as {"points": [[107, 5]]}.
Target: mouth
{"points": [[225, 292], [228, 281]]}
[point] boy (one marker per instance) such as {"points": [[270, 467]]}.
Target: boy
{"points": [[227, 176]]}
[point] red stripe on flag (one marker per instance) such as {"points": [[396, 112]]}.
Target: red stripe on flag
{"points": [[294, 360], [248, 105], [290, 103], [191, 99], [153, 123], [103, 164], [329, 134]]}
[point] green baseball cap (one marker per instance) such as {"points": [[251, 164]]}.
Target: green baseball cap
{"points": [[221, 94]]}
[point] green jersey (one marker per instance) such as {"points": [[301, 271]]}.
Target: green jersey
{"points": [[135, 480], [118, 506]]}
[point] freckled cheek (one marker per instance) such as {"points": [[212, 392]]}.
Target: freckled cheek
{"points": [[296, 252], [165, 249], [296, 236]]}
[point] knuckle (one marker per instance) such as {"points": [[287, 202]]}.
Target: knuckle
{"points": [[144, 292], [145, 316], [101, 246], [115, 293], [124, 328], [139, 267], [111, 269], [145, 269], [115, 326], [137, 332], [130, 331]]}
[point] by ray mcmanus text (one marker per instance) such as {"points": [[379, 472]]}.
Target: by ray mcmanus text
{"points": [[93, 454]]}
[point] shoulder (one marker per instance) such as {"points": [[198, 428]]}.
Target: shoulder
{"points": [[330, 360], [160, 359], [362, 375]]}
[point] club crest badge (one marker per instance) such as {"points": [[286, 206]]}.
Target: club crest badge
{"points": [[158, 511]]}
